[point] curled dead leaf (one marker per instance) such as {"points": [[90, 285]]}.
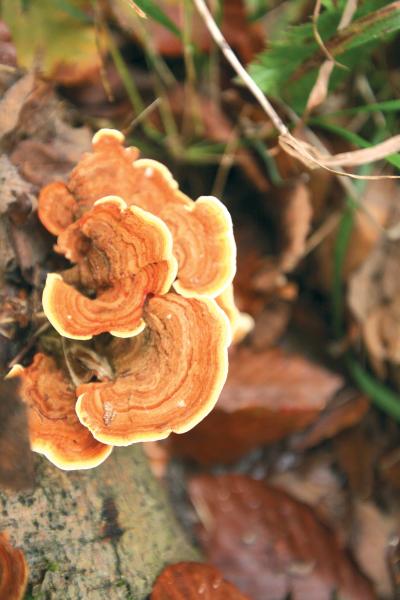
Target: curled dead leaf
{"points": [[295, 224]]}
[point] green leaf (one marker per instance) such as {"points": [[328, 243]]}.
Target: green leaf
{"points": [[340, 250], [154, 11], [372, 27], [386, 106], [288, 68], [72, 10]]}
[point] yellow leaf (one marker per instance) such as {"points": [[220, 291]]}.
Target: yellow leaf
{"points": [[50, 36]]}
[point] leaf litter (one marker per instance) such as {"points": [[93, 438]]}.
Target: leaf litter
{"points": [[313, 510]]}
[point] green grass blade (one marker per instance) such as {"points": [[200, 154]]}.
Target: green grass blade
{"points": [[340, 250], [154, 11], [72, 10], [386, 106], [382, 396]]}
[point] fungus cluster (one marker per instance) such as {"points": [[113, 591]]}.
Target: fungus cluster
{"points": [[150, 268]]}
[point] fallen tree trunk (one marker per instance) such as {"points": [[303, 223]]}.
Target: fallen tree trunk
{"points": [[104, 533]]}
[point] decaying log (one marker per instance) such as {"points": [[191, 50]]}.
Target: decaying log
{"points": [[103, 533]]}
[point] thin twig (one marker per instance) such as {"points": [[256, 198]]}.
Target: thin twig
{"points": [[74, 378], [318, 38], [29, 345], [143, 115], [98, 18], [320, 234], [227, 160], [238, 67]]}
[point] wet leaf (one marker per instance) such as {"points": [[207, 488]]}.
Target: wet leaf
{"points": [[193, 581], [267, 396], [270, 545], [346, 411]]}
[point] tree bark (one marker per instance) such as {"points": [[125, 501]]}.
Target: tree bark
{"points": [[99, 534]]}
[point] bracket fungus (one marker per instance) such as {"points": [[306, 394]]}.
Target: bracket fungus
{"points": [[152, 272], [202, 230], [13, 571], [168, 378], [241, 322], [121, 253], [54, 427]]}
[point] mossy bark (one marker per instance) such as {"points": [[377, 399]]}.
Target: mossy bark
{"points": [[104, 533]]}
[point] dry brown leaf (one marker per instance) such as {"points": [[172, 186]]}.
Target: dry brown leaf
{"points": [[16, 193], [270, 325], [270, 545], [312, 158], [315, 482], [370, 536], [370, 221], [268, 395], [13, 101], [374, 298], [393, 559], [357, 451], [295, 225], [344, 412], [389, 468], [319, 91]]}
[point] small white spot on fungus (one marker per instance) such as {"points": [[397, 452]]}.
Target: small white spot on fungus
{"points": [[108, 413]]}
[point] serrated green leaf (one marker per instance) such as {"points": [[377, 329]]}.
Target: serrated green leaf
{"points": [[372, 27], [288, 68]]}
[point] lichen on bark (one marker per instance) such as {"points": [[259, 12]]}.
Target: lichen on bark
{"points": [[99, 534]]}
